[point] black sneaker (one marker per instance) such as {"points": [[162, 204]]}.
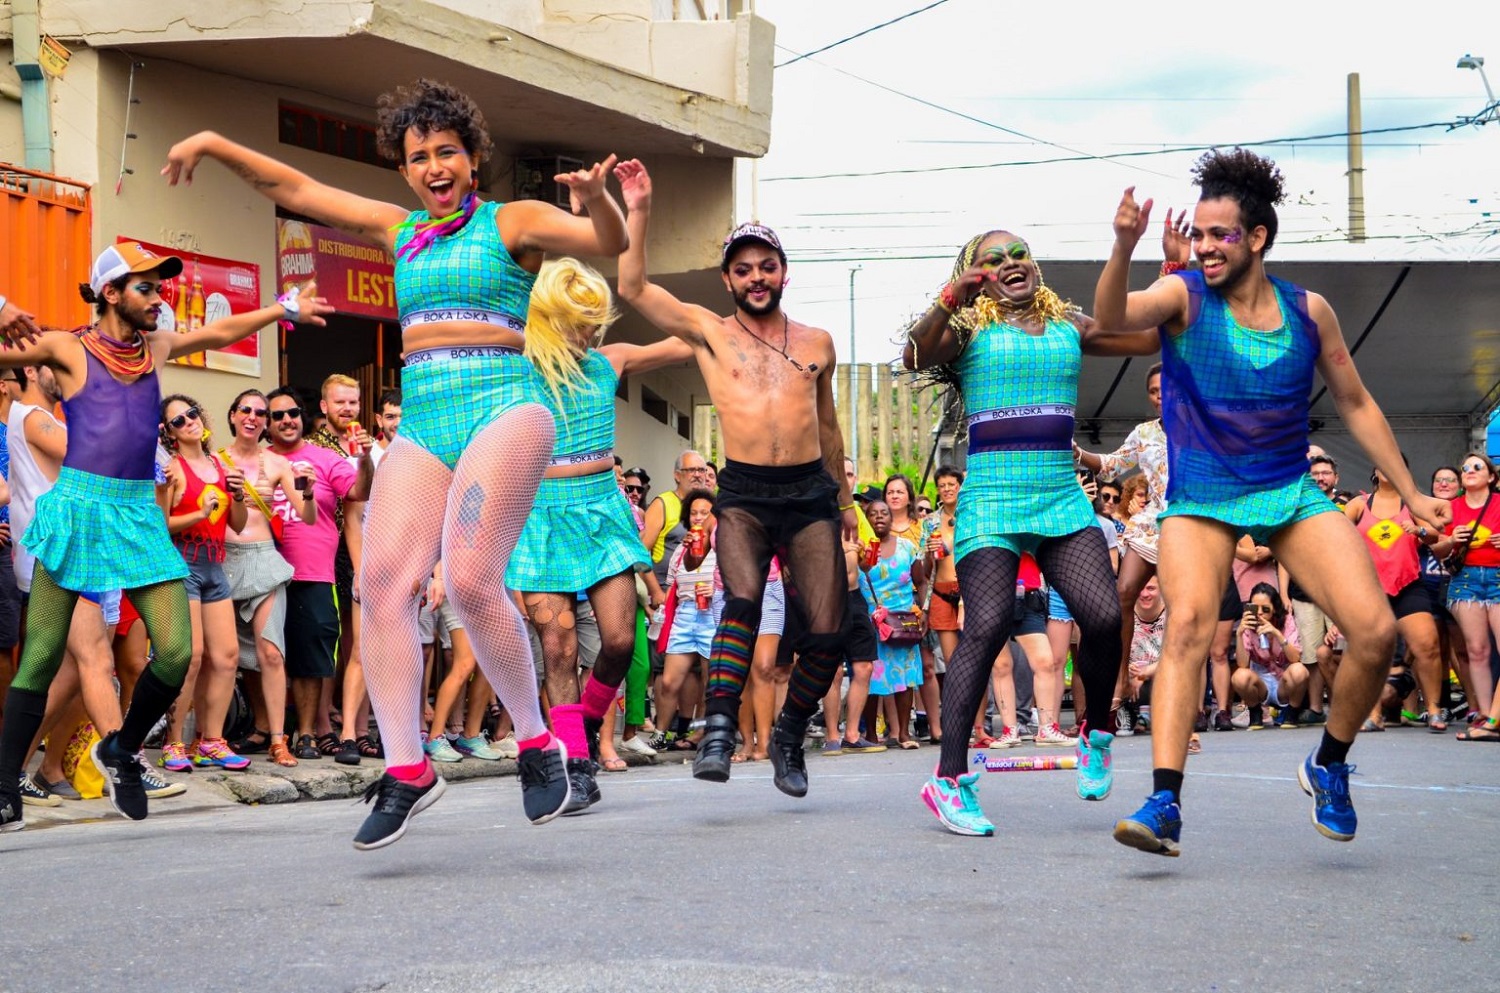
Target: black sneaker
{"points": [[1222, 721], [545, 789], [122, 778], [396, 803], [1313, 717], [788, 764], [583, 787], [716, 749], [593, 727], [920, 727], [1200, 723], [348, 753], [1257, 717], [12, 817], [34, 794]]}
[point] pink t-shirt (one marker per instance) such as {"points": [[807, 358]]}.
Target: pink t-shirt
{"points": [[310, 548]]}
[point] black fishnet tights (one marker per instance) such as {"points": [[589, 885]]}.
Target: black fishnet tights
{"points": [[1077, 566], [555, 617]]}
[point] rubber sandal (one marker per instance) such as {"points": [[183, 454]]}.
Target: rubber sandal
{"points": [[1479, 732], [1370, 727], [615, 764], [368, 749], [909, 745], [980, 741], [1195, 746], [328, 743], [254, 743]]}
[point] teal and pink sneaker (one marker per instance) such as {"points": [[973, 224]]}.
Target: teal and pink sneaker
{"points": [[1096, 774], [174, 757], [956, 804], [216, 752]]}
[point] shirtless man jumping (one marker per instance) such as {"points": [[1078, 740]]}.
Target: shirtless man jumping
{"points": [[772, 382]]}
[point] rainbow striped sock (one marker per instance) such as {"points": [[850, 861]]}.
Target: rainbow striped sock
{"points": [[729, 659]]}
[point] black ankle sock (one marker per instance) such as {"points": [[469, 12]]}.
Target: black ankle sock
{"points": [[151, 700], [1169, 780], [23, 718], [1330, 749]]}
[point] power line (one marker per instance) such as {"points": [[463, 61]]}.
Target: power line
{"points": [[1110, 156], [861, 34], [967, 117]]}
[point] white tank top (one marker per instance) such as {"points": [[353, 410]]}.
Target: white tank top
{"points": [[27, 482]]}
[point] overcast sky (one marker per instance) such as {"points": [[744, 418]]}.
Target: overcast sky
{"points": [[1009, 83]]}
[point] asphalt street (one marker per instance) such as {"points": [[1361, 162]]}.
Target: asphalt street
{"points": [[672, 884]]}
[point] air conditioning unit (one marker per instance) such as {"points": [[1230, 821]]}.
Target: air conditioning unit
{"points": [[534, 178]]}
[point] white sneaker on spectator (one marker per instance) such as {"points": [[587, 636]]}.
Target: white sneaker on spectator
{"points": [[1009, 738], [507, 747], [636, 746], [1051, 734], [439, 750]]}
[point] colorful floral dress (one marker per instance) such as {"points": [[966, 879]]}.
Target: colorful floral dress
{"points": [[897, 667]]}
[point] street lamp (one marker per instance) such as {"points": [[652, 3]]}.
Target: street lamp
{"points": [[1491, 109]]}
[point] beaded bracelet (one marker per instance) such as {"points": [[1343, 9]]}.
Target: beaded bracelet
{"points": [[1167, 268]]}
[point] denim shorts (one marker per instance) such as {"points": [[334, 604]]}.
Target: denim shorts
{"points": [[206, 582], [692, 630], [1056, 609], [1475, 584]]}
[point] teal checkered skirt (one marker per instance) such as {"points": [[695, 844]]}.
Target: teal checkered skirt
{"points": [[95, 534], [446, 403], [580, 531], [1262, 513]]}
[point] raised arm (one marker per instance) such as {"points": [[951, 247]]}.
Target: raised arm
{"points": [[362, 217], [305, 308], [681, 320], [1364, 417], [536, 226], [930, 340], [628, 359], [1115, 307], [15, 322]]}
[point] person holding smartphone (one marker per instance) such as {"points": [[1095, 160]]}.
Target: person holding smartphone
{"points": [[1271, 670]]}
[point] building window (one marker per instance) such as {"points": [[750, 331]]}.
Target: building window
{"points": [[322, 132], [684, 426], [655, 406]]}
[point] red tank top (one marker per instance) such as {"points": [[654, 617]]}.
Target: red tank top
{"points": [[1481, 552], [1394, 551], [206, 538]]}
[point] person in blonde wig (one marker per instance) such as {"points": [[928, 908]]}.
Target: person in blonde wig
{"points": [[581, 536]]}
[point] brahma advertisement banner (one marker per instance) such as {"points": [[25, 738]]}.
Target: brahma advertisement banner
{"points": [[357, 278], [210, 289]]}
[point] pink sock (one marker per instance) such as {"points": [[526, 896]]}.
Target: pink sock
{"points": [[540, 741], [567, 724], [418, 774], [597, 699]]}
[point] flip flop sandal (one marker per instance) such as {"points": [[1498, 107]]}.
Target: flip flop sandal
{"points": [[1195, 746], [909, 745], [1479, 732], [614, 765], [1370, 727]]}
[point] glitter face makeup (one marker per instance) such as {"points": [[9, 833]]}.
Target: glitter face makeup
{"points": [[1232, 237], [1016, 251]]}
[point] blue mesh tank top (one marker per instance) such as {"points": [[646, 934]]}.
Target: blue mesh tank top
{"points": [[585, 418], [1235, 400], [468, 275], [113, 426]]}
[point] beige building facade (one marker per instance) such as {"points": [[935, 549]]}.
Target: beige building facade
{"points": [[684, 85]]}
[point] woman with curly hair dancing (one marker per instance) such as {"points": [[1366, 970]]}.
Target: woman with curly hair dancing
{"points": [[475, 435]]}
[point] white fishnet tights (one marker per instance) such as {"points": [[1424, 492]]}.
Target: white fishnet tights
{"points": [[486, 500]]}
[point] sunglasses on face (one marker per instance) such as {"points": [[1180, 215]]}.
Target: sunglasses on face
{"points": [[924, 510], [176, 423], [1108, 498], [250, 411], [292, 412], [1474, 467], [634, 489], [1260, 608]]}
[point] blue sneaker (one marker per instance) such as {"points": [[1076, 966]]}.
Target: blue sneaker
{"points": [[1155, 828], [956, 804], [1095, 773], [1333, 811]]}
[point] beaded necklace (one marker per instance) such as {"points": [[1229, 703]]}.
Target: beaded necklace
{"points": [[122, 359]]}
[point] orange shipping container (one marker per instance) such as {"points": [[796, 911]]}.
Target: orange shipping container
{"points": [[45, 244]]}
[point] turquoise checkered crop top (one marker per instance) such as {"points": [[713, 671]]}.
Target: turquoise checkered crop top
{"points": [[585, 418], [468, 275]]}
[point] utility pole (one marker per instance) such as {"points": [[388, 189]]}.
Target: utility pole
{"points": [[1356, 164], [853, 400]]}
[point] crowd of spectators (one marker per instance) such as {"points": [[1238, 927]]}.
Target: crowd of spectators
{"points": [[269, 516]]}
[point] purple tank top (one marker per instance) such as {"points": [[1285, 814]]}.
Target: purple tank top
{"points": [[113, 426]]}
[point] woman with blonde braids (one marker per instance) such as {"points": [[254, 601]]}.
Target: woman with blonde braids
{"points": [[1013, 348], [581, 536], [458, 481]]}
